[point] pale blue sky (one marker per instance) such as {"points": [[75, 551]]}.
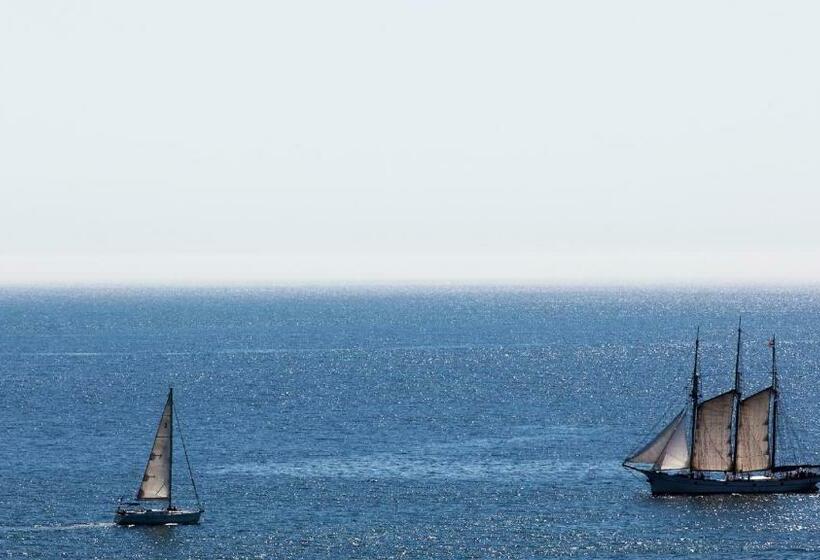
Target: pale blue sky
{"points": [[535, 142]]}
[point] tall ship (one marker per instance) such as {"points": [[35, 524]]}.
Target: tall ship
{"points": [[726, 444], [157, 481]]}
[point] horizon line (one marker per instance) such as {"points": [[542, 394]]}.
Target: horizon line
{"points": [[415, 284], [580, 269]]}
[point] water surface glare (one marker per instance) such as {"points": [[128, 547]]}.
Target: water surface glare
{"points": [[372, 424]]}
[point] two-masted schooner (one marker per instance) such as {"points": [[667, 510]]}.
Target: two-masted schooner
{"points": [[731, 447], [157, 481]]}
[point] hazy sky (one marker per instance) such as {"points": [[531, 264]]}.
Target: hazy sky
{"points": [[537, 142]]}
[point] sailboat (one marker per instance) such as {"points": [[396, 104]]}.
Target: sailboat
{"points": [[157, 481], [731, 447]]}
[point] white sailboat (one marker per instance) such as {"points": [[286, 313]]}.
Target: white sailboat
{"points": [[731, 448], [157, 482]]}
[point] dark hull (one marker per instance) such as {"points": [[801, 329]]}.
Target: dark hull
{"points": [[665, 484], [156, 517]]}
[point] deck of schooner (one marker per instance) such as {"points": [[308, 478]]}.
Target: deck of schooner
{"points": [[731, 445]]}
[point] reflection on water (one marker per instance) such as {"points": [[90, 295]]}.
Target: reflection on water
{"points": [[373, 425]]}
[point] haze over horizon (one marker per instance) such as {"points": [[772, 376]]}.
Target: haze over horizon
{"points": [[367, 142]]}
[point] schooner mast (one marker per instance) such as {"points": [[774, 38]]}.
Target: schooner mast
{"points": [[775, 392], [695, 395], [736, 422]]}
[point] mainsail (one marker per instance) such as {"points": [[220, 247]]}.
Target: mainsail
{"points": [[753, 432], [156, 482], [668, 450], [713, 432]]}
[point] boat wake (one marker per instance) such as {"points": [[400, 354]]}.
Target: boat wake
{"points": [[57, 527]]}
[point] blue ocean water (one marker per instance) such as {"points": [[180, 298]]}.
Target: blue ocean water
{"points": [[404, 423]]}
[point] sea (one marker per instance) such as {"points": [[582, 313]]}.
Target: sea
{"points": [[380, 423]]}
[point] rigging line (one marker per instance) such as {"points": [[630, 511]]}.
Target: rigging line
{"points": [[792, 442], [799, 447], [187, 461], [796, 449], [786, 447], [636, 475]]}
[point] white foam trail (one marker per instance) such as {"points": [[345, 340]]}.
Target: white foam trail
{"points": [[58, 527]]}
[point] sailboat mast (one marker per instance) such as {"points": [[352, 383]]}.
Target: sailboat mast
{"points": [[695, 390], [737, 398], [775, 398], [170, 444]]}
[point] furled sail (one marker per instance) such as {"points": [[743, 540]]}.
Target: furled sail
{"points": [[713, 432], [753, 432], [652, 451], [156, 482]]}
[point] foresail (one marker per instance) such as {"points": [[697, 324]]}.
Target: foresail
{"points": [[713, 432], [156, 480], [753, 432], [653, 450], [676, 453]]}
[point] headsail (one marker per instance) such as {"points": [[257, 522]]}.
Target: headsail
{"points": [[676, 453], [753, 432], [713, 432], [654, 451], [156, 482]]}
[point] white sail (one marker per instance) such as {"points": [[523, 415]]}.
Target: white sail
{"points": [[156, 482], [676, 453], [753, 432], [653, 450], [713, 432]]}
